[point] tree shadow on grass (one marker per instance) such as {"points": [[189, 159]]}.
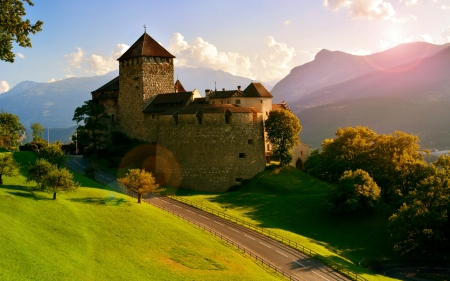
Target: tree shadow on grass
{"points": [[30, 195], [109, 201]]}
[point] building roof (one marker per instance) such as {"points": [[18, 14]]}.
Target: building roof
{"points": [[281, 105], [112, 85], [256, 89], [164, 102], [210, 108], [224, 94], [178, 87], [146, 46]]}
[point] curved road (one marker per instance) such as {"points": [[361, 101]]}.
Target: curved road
{"points": [[285, 258]]}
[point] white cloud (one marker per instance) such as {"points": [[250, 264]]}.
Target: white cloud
{"points": [[409, 2], [275, 62], [75, 59], [4, 87], [288, 22], [443, 7], [70, 76], [446, 34], [363, 9], [404, 20], [360, 52], [51, 80], [20, 55], [102, 65]]}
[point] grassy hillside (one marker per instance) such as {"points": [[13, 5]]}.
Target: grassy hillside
{"points": [[98, 234], [290, 203]]}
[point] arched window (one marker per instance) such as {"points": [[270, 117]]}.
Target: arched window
{"points": [[227, 117], [199, 116]]}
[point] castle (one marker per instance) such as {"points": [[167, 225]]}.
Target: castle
{"points": [[204, 143]]}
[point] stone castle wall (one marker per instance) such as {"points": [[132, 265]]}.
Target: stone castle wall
{"points": [[140, 80], [211, 156]]}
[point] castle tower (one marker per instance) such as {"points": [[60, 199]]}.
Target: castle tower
{"points": [[145, 70]]}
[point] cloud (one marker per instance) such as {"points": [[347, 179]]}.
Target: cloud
{"points": [[20, 55], [404, 20], [288, 22], [443, 7], [363, 9], [75, 59], [409, 2], [51, 80], [70, 76], [102, 65], [360, 52], [4, 87], [275, 61], [446, 34]]}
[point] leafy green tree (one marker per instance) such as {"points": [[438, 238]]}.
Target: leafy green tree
{"points": [[58, 180], [10, 128], [8, 166], [356, 191], [421, 226], [14, 28], [53, 154], [140, 181], [95, 127], [39, 170], [282, 128], [37, 131]]}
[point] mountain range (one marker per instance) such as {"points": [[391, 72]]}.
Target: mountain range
{"points": [[413, 96], [53, 104]]}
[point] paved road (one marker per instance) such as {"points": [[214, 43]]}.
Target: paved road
{"points": [[285, 258]]}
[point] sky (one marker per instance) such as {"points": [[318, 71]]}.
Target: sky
{"points": [[258, 39]]}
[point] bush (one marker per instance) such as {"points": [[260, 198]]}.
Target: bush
{"points": [[356, 191]]}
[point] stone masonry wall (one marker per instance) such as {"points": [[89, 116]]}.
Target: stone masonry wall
{"points": [[139, 82], [207, 156]]}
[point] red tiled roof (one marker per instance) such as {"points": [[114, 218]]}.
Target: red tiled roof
{"points": [[146, 46], [178, 87], [256, 89]]}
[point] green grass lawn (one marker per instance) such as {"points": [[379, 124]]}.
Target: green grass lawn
{"points": [[98, 234], [290, 203]]}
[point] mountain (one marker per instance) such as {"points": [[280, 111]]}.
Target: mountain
{"points": [[330, 68], [420, 80], [53, 104], [426, 119], [63, 135], [203, 78], [22, 86]]}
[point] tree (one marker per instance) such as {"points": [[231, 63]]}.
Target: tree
{"points": [[53, 154], [37, 131], [94, 117], [8, 166], [421, 226], [39, 170], [356, 191], [10, 128], [282, 128], [14, 28], [58, 180], [139, 181]]}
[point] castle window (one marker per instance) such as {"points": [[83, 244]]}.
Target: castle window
{"points": [[250, 141], [242, 155], [221, 102], [213, 102], [227, 117], [238, 101], [199, 116], [153, 116], [228, 102], [261, 101], [112, 117], [175, 118], [157, 59]]}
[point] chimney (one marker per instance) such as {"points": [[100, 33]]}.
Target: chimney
{"points": [[239, 88], [207, 94]]}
